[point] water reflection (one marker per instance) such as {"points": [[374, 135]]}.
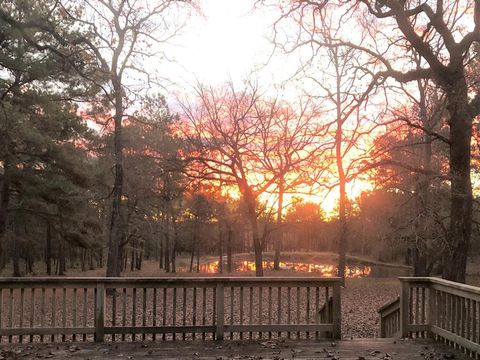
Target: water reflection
{"points": [[325, 270]]}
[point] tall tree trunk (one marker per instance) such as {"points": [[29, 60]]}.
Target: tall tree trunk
{"points": [[166, 235], [257, 245], [420, 254], [194, 243], [161, 255], [279, 232], [139, 259], [48, 248], [61, 259], [4, 200], [342, 216], [84, 260], [90, 260], [229, 248], [455, 258], [198, 256], [220, 248], [114, 259], [132, 256], [15, 252], [174, 247]]}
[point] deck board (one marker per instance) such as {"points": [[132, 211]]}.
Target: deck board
{"points": [[369, 349]]}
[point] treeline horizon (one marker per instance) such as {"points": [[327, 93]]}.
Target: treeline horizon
{"points": [[97, 171]]}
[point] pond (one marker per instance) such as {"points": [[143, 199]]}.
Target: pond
{"points": [[353, 270]]}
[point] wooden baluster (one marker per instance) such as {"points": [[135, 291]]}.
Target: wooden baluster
{"points": [[250, 315], [124, 310], [475, 322], [154, 313], [279, 310], [289, 310], [298, 310], [174, 312], [32, 312], [134, 312], [260, 309], [1, 312], [458, 307], [317, 308], [453, 314], [468, 319], [114, 311], [464, 317], [164, 311], [22, 303], [231, 310], [307, 315], [74, 315], [10, 320], [219, 311], [424, 307], [99, 316], [194, 311], [184, 304], [328, 311], [269, 310], [204, 310], [42, 314], [144, 312], [432, 312], [85, 298], [64, 313], [241, 310], [444, 310], [440, 310], [416, 309], [54, 312], [449, 318], [411, 307]]}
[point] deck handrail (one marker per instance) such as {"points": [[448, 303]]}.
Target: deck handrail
{"points": [[432, 307], [85, 308], [390, 318]]}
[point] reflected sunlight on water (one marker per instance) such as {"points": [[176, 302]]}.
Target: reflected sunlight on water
{"points": [[326, 270]]}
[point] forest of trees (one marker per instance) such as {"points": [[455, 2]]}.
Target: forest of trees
{"points": [[101, 166]]}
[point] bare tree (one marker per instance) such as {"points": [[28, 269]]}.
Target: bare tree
{"points": [[224, 131], [125, 34], [336, 75], [443, 33], [292, 134]]}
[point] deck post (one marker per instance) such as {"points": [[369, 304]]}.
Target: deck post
{"points": [[219, 311], [99, 312], [337, 312], [404, 309]]}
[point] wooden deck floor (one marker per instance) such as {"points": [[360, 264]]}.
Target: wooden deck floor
{"points": [[386, 349]]}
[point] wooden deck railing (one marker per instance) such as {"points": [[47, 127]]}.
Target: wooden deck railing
{"points": [[432, 307], [113, 309], [390, 319]]}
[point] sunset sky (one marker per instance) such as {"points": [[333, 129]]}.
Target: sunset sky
{"points": [[232, 40], [229, 40]]}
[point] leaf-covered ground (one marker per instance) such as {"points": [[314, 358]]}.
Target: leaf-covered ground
{"points": [[361, 299]]}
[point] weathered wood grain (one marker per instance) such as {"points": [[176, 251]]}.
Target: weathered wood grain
{"points": [[355, 349]]}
